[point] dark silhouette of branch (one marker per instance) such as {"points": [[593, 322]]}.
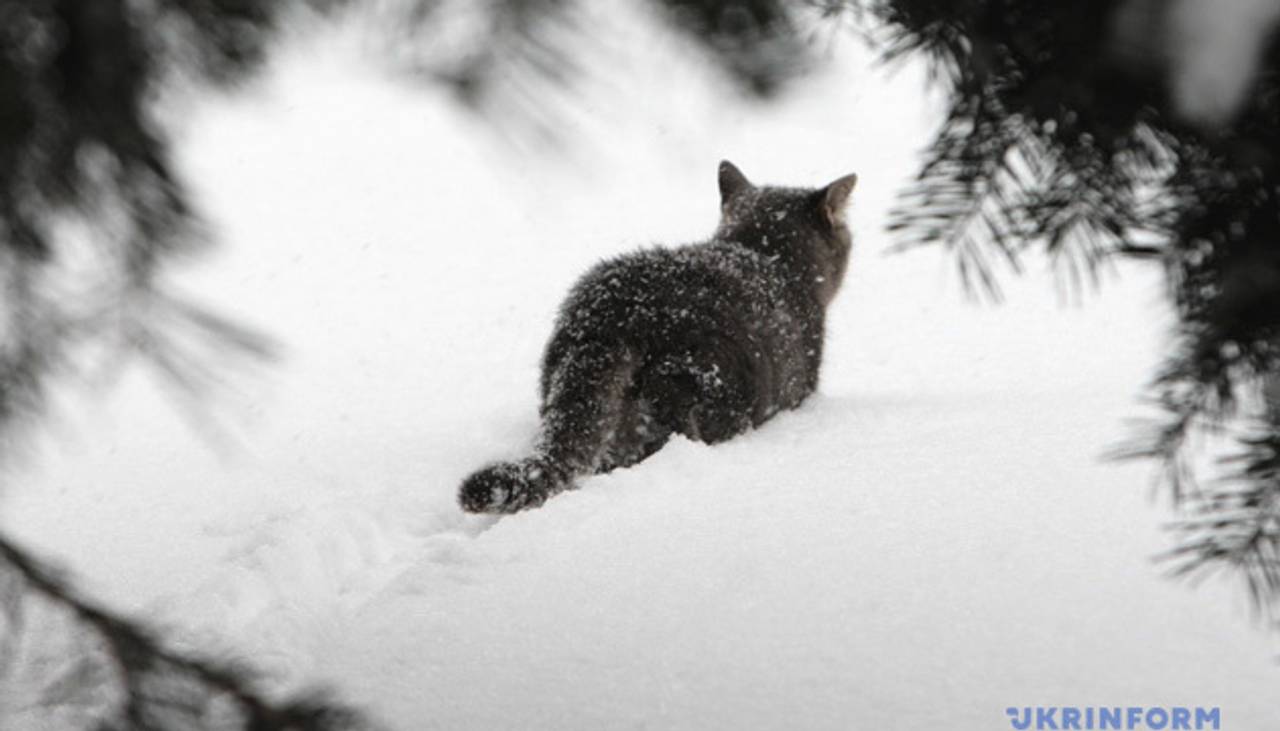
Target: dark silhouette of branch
{"points": [[156, 689], [1065, 135]]}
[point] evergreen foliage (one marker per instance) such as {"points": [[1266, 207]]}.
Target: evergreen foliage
{"points": [[1062, 137]]}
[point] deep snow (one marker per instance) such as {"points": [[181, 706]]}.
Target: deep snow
{"points": [[930, 539]]}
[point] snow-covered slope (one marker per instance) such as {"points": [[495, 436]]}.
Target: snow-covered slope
{"points": [[929, 540]]}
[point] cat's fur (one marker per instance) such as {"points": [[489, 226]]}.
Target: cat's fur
{"points": [[706, 340]]}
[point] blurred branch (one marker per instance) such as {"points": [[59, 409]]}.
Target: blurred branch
{"points": [[1237, 524], [758, 42], [158, 690], [1063, 137]]}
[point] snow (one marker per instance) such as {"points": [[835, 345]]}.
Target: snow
{"points": [[929, 540]]}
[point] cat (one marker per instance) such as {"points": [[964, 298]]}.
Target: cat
{"points": [[707, 340]]}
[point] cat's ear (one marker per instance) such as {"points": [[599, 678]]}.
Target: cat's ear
{"points": [[836, 196], [732, 182]]}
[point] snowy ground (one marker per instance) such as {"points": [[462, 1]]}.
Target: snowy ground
{"points": [[929, 540]]}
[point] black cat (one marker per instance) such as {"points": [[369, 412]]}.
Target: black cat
{"points": [[706, 340]]}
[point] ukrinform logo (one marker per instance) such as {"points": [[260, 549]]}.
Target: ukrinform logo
{"points": [[1156, 718]]}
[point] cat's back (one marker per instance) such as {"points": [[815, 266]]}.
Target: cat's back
{"points": [[664, 292]]}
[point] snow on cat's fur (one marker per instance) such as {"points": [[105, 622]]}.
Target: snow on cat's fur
{"points": [[706, 340]]}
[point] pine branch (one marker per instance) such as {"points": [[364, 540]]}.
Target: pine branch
{"points": [[1237, 525], [164, 690], [1060, 142]]}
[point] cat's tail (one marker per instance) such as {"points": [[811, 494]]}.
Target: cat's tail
{"points": [[507, 487], [581, 411]]}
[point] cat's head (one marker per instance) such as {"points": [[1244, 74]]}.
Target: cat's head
{"points": [[810, 221]]}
